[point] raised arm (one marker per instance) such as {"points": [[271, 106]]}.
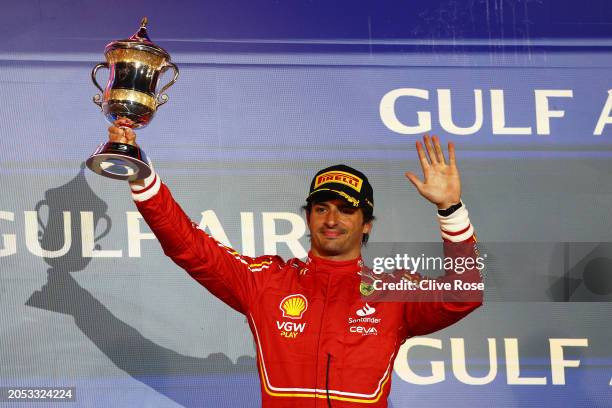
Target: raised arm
{"points": [[233, 278], [441, 186]]}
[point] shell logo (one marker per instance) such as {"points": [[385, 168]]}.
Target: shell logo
{"points": [[294, 306]]}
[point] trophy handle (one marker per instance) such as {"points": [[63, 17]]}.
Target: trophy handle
{"points": [[97, 99], [161, 97]]}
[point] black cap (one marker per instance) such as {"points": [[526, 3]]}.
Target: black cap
{"points": [[344, 182]]}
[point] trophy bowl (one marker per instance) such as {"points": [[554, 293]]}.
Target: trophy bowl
{"points": [[135, 65]]}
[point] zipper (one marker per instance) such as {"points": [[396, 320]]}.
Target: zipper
{"points": [[319, 340]]}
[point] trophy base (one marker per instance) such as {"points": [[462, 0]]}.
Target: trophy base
{"points": [[119, 161]]}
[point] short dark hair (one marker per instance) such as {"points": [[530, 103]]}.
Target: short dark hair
{"points": [[368, 216]]}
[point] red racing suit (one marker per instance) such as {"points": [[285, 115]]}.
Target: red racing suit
{"points": [[314, 347]]}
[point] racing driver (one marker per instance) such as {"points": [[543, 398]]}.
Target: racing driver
{"points": [[299, 312]]}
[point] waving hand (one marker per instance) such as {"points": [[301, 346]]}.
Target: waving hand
{"points": [[441, 184]]}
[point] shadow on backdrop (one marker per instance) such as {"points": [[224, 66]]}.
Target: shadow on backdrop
{"points": [[189, 381]]}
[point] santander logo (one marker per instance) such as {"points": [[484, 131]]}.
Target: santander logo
{"points": [[366, 311]]}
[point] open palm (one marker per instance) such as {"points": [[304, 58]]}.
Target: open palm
{"points": [[441, 184]]}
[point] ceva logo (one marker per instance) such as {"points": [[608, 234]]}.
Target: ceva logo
{"points": [[364, 331], [366, 311]]}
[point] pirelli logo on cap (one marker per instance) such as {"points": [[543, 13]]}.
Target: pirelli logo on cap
{"points": [[341, 177]]}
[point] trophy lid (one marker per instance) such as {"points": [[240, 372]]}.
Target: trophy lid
{"points": [[139, 40]]}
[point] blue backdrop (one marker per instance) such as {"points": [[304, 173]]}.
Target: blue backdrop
{"points": [[269, 93]]}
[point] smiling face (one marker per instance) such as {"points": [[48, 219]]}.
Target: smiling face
{"points": [[336, 230]]}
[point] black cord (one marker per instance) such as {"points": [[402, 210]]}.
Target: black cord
{"points": [[327, 381]]}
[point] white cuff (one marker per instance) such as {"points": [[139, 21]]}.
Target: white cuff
{"points": [[151, 186], [456, 227]]}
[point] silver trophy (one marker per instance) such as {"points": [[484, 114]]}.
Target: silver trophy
{"points": [[135, 66]]}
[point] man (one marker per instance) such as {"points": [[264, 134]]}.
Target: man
{"points": [[310, 351]]}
